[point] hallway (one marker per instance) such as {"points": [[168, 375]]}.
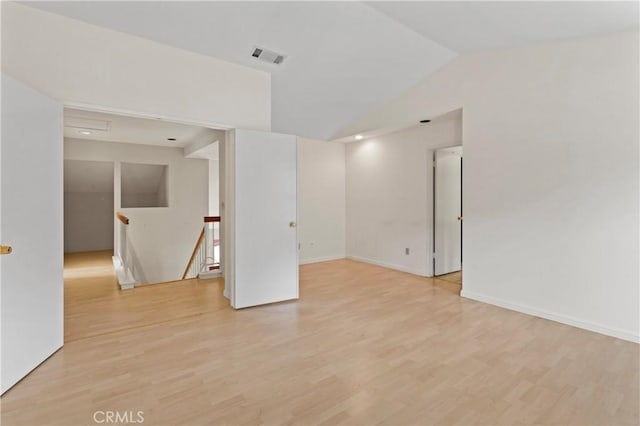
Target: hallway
{"points": [[94, 304]]}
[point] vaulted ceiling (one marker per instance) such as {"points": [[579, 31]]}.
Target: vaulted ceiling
{"points": [[344, 59]]}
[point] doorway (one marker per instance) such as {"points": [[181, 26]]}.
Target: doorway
{"points": [[136, 193], [448, 213]]}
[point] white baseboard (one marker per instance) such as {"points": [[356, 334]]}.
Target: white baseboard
{"points": [[320, 259], [125, 280], [388, 265], [210, 274], [161, 282], [553, 316]]}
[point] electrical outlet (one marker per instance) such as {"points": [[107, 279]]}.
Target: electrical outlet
{"points": [[406, 251]]}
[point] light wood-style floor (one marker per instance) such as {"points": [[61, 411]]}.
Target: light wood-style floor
{"points": [[454, 277], [94, 304], [364, 345]]}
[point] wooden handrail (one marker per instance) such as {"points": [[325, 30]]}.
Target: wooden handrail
{"points": [[122, 218], [208, 219], [193, 255]]}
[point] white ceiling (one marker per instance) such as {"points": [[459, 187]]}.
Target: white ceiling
{"points": [[469, 26], [455, 115], [135, 130], [345, 59], [208, 152]]}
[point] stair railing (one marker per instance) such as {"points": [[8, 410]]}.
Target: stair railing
{"points": [[206, 253], [195, 261], [212, 243]]}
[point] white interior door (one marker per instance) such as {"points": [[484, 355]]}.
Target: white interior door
{"points": [[448, 211], [265, 220], [31, 277]]}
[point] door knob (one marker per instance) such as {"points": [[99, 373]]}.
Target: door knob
{"points": [[460, 218], [292, 224], [5, 249]]}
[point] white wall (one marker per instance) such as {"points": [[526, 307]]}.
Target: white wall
{"points": [[82, 64], [88, 206], [88, 221], [389, 190], [163, 189], [163, 238], [321, 200], [551, 176]]}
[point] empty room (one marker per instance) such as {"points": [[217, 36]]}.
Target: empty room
{"points": [[338, 213]]}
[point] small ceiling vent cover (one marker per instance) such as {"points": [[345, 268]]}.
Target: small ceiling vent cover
{"points": [[268, 56], [87, 123]]}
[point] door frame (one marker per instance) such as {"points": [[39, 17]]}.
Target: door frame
{"points": [[433, 203], [137, 114]]}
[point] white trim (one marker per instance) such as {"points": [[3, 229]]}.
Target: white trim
{"points": [[388, 265], [136, 114], [297, 249], [553, 316], [207, 275], [125, 280], [320, 259]]}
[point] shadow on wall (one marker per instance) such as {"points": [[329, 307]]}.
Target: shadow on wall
{"points": [[88, 205]]}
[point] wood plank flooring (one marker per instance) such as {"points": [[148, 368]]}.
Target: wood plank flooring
{"points": [[454, 277], [363, 345], [94, 304]]}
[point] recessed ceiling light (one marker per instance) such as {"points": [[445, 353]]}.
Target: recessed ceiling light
{"points": [[84, 132], [425, 121], [171, 139], [359, 137]]}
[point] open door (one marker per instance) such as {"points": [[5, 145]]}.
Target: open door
{"points": [[263, 218], [447, 211], [31, 276]]}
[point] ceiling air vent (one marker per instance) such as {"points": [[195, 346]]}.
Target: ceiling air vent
{"points": [[268, 56], [87, 123]]}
